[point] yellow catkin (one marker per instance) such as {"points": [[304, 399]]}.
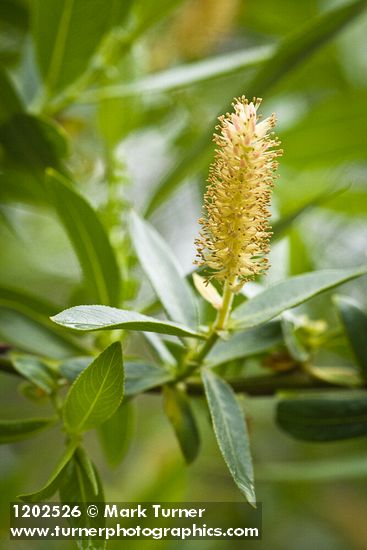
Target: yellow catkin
{"points": [[235, 234]]}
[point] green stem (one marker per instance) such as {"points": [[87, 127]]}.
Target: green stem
{"points": [[224, 312], [269, 385], [193, 362]]}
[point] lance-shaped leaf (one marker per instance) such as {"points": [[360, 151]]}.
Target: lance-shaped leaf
{"points": [[231, 432], [54, 481], [184, 75], [179, 412], [163, 272], [88, 469], [290, 53], [244, 344], [323, 419], [81, 484], [96, 393], [37, 371], [89, 318], [89, 240], [17, 430], [290, 293], [355, 324]]}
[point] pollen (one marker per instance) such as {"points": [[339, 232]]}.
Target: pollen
{"points": [[235, 230]]}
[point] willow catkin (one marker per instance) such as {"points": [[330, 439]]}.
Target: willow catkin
{"points": [[235, 234]]}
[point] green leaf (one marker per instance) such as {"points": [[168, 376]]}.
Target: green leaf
{"points": [[87, 468], [159, 349], [32, 392], [86, 486], [339, 376], [323, 419], [290, 293], [89, 318], [54, 481], [289, 54], [163, 272], [67, 33], [252, 342], [71, 368], [17, 430], [141, 377], [36, 371], [29, 304], [10, 103], [33, 142], [294, 345], [116, 433], [28, 326], [15, 13], [30, 144], [96, 393], [88, 238], [231, 432], [81, 484], [355, 324], [184, 75], [13, 25], [29, 336], [179, 412]]}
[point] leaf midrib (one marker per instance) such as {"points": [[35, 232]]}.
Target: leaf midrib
{"points": [[266, 314], [236, 474], [98, 394]]}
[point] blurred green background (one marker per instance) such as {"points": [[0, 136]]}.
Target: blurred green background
{"points": [[127, 116]]}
